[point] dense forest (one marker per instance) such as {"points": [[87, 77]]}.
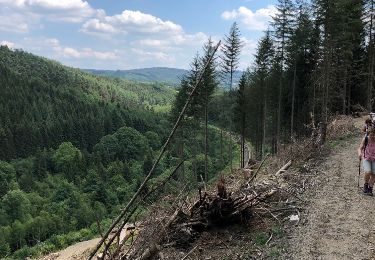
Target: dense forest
{"points": [[315, 60], [169, 76], [75, 146]]}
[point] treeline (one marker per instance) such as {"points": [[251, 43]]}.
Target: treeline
{"points": [[315, 60], [43, 103]]}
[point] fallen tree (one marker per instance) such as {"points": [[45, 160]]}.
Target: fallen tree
{"points": [[185, 224]]}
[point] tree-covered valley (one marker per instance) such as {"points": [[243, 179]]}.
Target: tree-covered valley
{"points": [[75, 147]]}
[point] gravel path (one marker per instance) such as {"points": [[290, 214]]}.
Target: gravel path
{"points": [[339, 218]]}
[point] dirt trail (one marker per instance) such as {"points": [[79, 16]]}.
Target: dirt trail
{"points": [[339, 220], [78, 251]]}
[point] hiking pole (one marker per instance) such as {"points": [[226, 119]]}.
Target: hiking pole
{"points": [[359, 171]]}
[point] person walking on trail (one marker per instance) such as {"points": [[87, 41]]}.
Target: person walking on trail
{"points": [[368, 124], [366, 153]]}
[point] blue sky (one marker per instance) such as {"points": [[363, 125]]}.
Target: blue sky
{"points": [[127, 34]]}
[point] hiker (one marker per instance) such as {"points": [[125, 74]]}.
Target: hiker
{"points": [[368, 123], [366, 153], [372, 116]]}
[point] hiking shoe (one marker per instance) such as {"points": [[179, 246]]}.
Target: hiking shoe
{"points": [[370, 191], [365, 188]]}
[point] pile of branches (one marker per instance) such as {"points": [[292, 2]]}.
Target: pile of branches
{"points": [[222, 208], [184, 226]]}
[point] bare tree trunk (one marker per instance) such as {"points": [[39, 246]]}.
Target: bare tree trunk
{"points": [[278, 129], [230, 124], [293, 100], [371, 62], [243, 141], [182, 156], [264, 119], [345, 91], [221, 148], [205, 141]]}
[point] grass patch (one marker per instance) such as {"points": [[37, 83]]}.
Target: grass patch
{"points": [[261, 238], [274, 253]]}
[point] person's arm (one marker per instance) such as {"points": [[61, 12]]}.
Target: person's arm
{"points": [[360, 148]]}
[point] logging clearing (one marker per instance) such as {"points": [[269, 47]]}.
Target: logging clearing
{"points": [[249, 213], [305, 208]]}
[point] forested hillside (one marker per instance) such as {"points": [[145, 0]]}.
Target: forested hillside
{"points": [[75, 147], [44, 103], [170, 76]]}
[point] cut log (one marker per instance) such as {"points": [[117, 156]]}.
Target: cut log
{"points": [[284, 168]]}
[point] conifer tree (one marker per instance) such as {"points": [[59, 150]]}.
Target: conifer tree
{"points": [[209, 83], [229, 63], [283, 23], [263, 64]]}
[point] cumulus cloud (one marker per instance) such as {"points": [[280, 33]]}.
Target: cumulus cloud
{"points": [[148, 36], [52, 48], [131, 22], [85, 53], [9, 44], [145, 55], [94, 26], [73, 11], [13, 23], [257, 20]]}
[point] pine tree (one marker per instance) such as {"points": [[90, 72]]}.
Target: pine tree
{"points": [[263, 65], [240, 115], [209, 83], [283, 23], [229, 63]]}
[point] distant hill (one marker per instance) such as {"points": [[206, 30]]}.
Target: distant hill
{"points": [[171, 76], [44, 103]]}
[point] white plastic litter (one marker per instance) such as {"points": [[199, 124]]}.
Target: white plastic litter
{"points": [[294, 218]]}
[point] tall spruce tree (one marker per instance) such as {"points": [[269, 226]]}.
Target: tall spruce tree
{"points": [[263, 65], [229, 63], [283, 23], [209, 83], [369, 18], [240, 114]]}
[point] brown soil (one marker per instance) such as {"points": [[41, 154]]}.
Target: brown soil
{"points": [[338, 220]]}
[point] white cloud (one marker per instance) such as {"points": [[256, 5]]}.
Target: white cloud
{"points": [[153, 43], [257, 20], [13, 23], [85, 53], [70, 52], [131, 21], [147, 55], [149, 37], [9, 44], [98, 28], [229, 15], [73, 11], [52, 48]]}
